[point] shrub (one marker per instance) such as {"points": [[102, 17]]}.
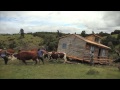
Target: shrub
{"points": [[92, 72]]}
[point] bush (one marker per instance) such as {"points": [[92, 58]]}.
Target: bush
{"points": [[92, 72]]}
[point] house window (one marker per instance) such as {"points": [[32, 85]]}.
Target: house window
{"points": [[92, 49], [103, 52], [64, 46]]}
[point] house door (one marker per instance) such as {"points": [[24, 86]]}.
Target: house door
{"points": [[99, 52]]}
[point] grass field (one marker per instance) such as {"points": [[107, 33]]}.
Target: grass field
{"points": [[56, 70]]}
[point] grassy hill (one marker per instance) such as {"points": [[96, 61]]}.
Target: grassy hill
{"points": [[114, 35], [28, 42], [31, 40]]}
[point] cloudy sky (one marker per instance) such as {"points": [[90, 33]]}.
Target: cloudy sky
{"points": [[64, 21]]}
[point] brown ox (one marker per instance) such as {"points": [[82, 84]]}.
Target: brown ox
{"points": [[56, 55], [27, 55], [10, 52]]}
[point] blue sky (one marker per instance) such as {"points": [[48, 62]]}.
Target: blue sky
{"points": [[65, 21]]}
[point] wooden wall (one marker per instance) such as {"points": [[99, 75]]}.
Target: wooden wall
{"points": [[91, 38]]}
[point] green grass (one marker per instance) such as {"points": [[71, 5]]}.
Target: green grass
{"points": [[55, 70]]}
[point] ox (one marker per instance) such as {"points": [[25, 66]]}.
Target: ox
{"points": [[9, 53], [56, 55], [6, 54], [27, 55]]}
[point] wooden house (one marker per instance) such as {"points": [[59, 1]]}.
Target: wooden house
{"points": [[79, 48]]}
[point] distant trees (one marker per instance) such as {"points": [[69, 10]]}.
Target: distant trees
{"points": [[50, 39], [103, 34], [51, 42], [59, 34], [115, 32], [109, 38], [83, 34]]}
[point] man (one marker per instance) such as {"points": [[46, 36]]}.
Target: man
{"points": [[91, 58], [4, 54], [40, 55]]}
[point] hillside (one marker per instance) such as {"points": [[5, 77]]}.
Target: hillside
{"points": [[14, 41], [114, 38], [114, 35]]}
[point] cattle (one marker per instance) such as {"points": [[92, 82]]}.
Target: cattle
{"points": [[56, 55], [9, 52], [27, 55]]}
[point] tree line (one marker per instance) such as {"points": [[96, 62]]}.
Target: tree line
{"points": [[50, 39]]}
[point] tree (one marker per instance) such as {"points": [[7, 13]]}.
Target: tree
{"points": [[93, 32], [103, 34], [83, 34], [115, 32], [22, 33], [59, 34]]}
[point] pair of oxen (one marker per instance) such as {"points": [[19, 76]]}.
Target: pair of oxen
{"points": [[32, 54]]}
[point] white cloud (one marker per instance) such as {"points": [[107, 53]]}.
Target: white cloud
{"points": [[65, 21]]}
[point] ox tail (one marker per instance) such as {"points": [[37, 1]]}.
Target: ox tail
{"points": [[65, 58]]}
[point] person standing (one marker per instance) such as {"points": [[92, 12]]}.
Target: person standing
{"points": [[40, 55], [92, 58], [4, 55]]}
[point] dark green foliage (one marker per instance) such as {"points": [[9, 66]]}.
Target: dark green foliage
{"points": [[103, 34], [115, 32], [40, 44], [83, 34], [30, 33], [50, 41], [1, 45], [92, 72], [12, 45], [108, 39], [59, 34], [118, 38]]}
